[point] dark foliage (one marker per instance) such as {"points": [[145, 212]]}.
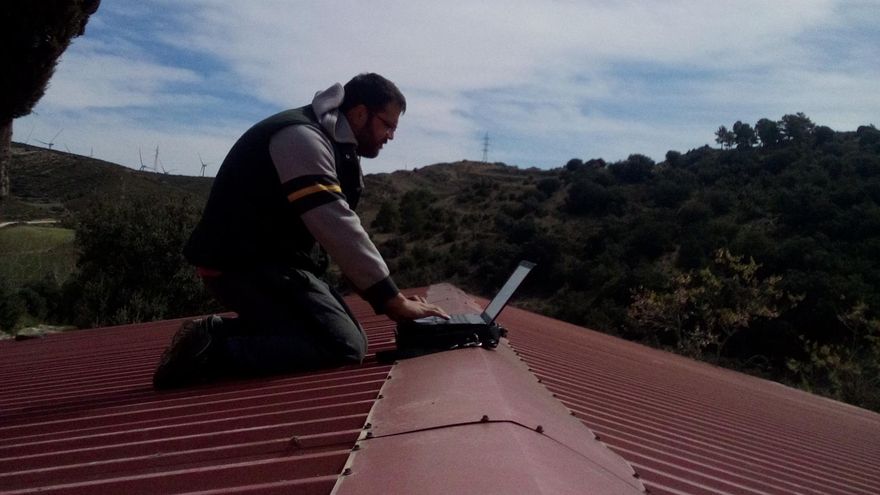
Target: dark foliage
{"points": [[131, 266], [802, 210], [12, 307], [799, 215], [32, 37]]}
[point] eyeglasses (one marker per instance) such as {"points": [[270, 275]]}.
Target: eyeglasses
{"points": [[391, 128]]}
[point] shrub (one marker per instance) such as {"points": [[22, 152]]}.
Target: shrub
{"points": [[637, 168], [388, 217], [549, 185], [131, 267], [701, 311], [587, 197], [848, 370], [12, 308]]}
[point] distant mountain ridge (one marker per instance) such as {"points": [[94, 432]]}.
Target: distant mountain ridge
{"points": [[51, 183], [47, 182]]}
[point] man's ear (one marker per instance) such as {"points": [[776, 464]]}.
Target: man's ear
{"points": [[357, 115]]}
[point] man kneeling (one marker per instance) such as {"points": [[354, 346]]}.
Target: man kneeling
{"points": [[283, 197]]}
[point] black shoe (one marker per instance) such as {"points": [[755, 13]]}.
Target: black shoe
{"points": [[185, 361]]}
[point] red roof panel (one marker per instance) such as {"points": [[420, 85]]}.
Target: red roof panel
{"points": [[78, 415], [689, 427], [478, 421]]}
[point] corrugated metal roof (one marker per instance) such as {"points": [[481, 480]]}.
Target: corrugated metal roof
{"points": [[689, 427], [78, 415], [476, 421]]}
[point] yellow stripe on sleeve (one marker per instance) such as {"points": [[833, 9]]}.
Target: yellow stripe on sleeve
{"points": [[295, 195]]}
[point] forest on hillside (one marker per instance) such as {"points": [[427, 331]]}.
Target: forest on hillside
{"points": [[760, 255]]}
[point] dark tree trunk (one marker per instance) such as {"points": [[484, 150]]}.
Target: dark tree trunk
{"points": [[5, 157]]}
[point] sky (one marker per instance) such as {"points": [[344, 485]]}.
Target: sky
{"points": [[546, 80]]}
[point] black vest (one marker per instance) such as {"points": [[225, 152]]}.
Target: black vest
{"points": [[248, 221]]}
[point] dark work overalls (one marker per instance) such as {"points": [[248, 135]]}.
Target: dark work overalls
{"points": [[257, 258]]}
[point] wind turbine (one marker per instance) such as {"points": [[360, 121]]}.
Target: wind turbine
{"points": [[156, 161], [27, 140], [52, 142], [141, 156], [204, 165]]}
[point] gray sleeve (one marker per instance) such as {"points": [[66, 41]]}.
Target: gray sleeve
{"points": [[304, 159]]}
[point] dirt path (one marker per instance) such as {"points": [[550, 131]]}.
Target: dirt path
{"points": [[45, 221]]}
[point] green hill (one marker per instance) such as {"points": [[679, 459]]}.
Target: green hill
{"points": [[761, 255], [53, 184]]}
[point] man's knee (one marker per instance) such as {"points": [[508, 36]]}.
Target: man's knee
{"points": [[351, 341]]}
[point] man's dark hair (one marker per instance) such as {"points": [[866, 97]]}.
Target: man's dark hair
{"points": [[373, 91]]}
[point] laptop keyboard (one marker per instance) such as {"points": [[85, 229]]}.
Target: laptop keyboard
{"points": [[468, 319]]}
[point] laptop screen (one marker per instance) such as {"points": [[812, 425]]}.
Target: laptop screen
{"points": [[494, 308]]}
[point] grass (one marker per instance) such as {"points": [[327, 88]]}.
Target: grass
{"points": [[30, 253]]}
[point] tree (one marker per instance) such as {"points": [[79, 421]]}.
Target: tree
{"points": [[702, 310], [868, 135], [548, 185], [574, 165], [847, 370], [587, 197], [636, 168], [33, 34], [768, 132], [823, 134], [11, 308], [388, 217], [744, 135], [415, 218], [725, 137], [131, 267], [796, 127]]}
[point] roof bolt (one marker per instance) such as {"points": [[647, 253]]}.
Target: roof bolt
{"points": [[346, 471], [484, 419], [294, 440], [356, 447], [380, 396], [368, 426], [369, 434], [540, 429]]}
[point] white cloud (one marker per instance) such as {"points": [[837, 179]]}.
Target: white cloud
{"points": [[549, 80], [94, 80]]}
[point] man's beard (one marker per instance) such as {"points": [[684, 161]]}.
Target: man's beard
{"points": [[372, 152], [368, 146]]}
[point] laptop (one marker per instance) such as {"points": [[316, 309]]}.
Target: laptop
{"points": [[487, 317], [434, 334]]}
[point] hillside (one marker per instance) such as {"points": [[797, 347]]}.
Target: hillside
{"points": [[761, 255], [53, 184]]}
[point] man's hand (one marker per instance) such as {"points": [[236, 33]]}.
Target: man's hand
{"points": [[400, 308]]}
